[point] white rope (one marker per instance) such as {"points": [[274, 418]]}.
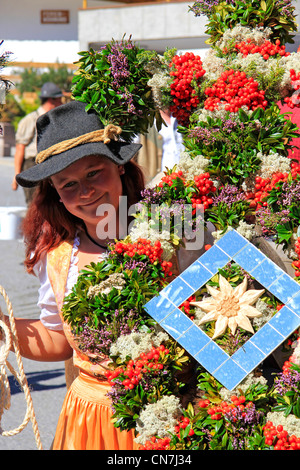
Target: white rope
{"points": [[9, 339]]}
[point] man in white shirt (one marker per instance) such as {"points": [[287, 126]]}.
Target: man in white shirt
{"points": [[172, 141], [25, 153]]}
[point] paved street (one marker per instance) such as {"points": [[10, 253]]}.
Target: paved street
{"points": [[46, 380]]}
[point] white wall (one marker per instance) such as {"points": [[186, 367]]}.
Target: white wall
{"points": [[20, 19], [159, 22]]}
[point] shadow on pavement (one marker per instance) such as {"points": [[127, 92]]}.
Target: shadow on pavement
{"points": [[35, 380]]}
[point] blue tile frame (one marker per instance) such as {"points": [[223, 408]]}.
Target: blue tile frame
{"points": [[228, 370]]}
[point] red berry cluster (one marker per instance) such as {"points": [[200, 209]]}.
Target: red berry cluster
{"points": [[235, 90], [288, 364], [157, 444], [144, 247], [186, 306], [184, 69], [133, 373], [217, 412], [264, 185], [295, 169], [205, 186], [294, 100], [170, 178], [262, 188], [296, 264], [266, 49], [277, 437], [286, 367], [183, 423]]}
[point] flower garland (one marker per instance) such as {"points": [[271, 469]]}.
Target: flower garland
{"points": [[111, 75], [236, 168]]}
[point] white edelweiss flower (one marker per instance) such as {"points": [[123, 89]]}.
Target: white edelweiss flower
{"points": [[230, 307]]}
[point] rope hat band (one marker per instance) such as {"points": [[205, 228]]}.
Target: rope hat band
{"points": [[110, 132]]}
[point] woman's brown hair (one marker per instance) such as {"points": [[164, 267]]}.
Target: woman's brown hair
{"points": [[48, 223]]}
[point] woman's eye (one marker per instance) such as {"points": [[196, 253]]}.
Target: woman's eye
{"points": [[92, 173], [69, 184]]}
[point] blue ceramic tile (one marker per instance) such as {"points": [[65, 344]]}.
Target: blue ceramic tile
{"points": [[176, 323], [159, 308], [294, 303], [266, 272], [213, 259], [250, 257], [285, 321], [178, 291], [211, 357], [232, 243], [267, 339], [230, 371], [248, 357], [193, 340], [230, 374], [196, 275], [284, 288]]}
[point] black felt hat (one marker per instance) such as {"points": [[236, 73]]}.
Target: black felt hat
{"points": [[61, 136], [50, 90]]}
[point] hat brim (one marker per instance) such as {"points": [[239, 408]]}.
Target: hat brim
{"points": [[118, 152]]}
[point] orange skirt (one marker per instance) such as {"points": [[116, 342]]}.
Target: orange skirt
{"points": [[85, 419]]}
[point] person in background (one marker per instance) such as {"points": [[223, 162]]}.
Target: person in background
{"points": [[50, 97], [150, 155], [160, 149], [171, 141]]}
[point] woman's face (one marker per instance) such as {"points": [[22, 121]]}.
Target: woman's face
{"points": [[88, 183]]}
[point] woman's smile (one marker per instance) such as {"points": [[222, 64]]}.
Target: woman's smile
{"points": [[91, 203]]}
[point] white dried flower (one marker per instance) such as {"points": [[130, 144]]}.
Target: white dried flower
{"points": [[214, 66], [273, 163], [242, 33], [135, 343], [143, 229], [158, 82], [115, 280], [290, 423], [267, 313], [246, 230], [287, 63], [191, 166], [158, 419]]}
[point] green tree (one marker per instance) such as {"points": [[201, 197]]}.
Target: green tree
{"points": [[32, 79]]}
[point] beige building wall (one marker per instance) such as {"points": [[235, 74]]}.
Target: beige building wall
{"points": [[154, 26]]}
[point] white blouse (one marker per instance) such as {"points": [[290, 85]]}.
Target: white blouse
{"points": [[49, 316]]}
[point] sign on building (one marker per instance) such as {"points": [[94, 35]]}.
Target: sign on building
{"points": [[55, 16]]}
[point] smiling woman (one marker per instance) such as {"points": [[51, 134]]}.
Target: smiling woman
{"points": [[80, 169]]}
